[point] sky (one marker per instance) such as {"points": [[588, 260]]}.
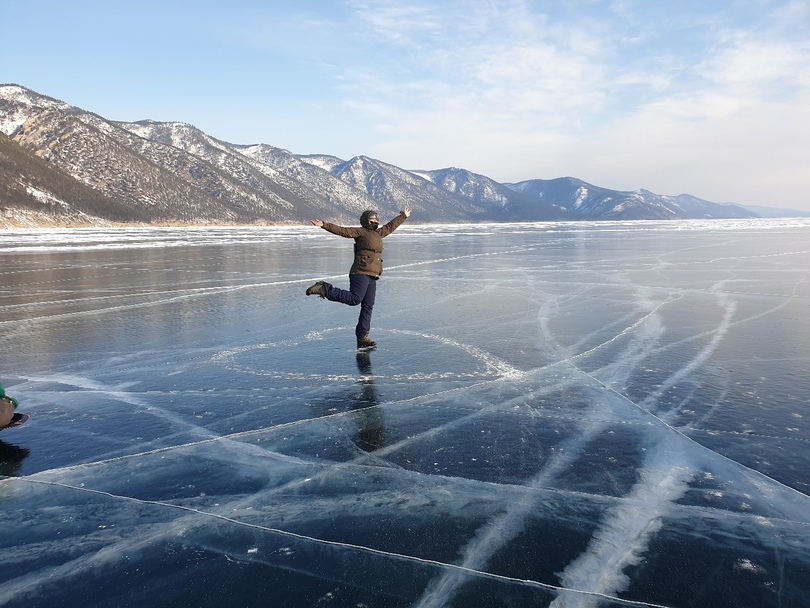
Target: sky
{"points": [[705, 97]]}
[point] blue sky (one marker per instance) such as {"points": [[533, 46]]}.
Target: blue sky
{"points": [[708, 97]]}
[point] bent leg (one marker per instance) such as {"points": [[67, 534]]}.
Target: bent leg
{"points": [[358, 286]]}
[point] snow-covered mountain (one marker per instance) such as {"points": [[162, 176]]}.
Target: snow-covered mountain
{"points": [[773, 212], [585, 201], [505, 203], [34, 194], [172, 172]]}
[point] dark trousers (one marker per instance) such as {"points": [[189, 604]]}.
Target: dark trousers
{"points": [[362, 291]]}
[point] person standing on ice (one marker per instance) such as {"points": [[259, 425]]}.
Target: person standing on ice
{"points": [[366, 269]]}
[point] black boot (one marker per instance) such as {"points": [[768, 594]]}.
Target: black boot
{"points": [[366, 342], [316, 290]]}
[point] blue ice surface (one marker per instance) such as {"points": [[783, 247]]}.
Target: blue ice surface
{"points": [[583, 414]]}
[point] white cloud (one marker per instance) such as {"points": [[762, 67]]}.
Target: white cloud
{"points": [[396, 22], [758, 66], [675, 101]]}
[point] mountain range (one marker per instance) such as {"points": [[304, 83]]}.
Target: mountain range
{"points": [[61, 165]]}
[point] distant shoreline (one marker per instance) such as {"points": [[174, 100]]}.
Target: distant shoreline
{"points": [[57, 223]]}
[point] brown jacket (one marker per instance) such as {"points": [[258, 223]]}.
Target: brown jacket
{"points": [[368, 245]]}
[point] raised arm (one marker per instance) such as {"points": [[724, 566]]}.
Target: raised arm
{"points": [[348, 233], [394, 223]]}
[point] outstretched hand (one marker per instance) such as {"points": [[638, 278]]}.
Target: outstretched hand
{"points": [[317, 223], [406, 211]]}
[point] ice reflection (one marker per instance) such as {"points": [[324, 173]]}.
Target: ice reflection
{"points": [[367, 414]]}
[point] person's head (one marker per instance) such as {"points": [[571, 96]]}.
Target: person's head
{"points": [[369, 219]]}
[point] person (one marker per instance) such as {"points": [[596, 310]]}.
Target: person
{"points": [[365, 271], [6, 412], [7, 406]]}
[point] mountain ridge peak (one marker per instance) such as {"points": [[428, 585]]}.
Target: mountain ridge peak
{"points": [[174, 171]]}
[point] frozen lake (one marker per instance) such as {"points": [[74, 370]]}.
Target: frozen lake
{"points": [[567, 415]]}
